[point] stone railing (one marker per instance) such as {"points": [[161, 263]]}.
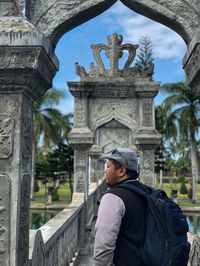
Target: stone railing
{"points": [[59, 240]]}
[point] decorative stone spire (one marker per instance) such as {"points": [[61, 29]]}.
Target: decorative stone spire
{"points": [[114, 51]]}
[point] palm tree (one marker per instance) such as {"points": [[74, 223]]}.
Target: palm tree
{"points": [[48, 123], [183, 106]]}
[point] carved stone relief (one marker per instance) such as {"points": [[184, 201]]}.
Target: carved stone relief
{"points": [[147, 118], [103, 110], [23, 243], [80, 170], [192, 65], [4, 219], [80, 112], [112, 135], [6, 137], [195, 252], [10, 58]]}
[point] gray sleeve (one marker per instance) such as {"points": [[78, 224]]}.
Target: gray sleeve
{"points": [[110, 214]]}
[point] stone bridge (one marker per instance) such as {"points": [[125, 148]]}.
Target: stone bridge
{"points": [[67, 239], [29, 33]]}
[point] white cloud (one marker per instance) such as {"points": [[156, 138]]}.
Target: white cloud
{"points": [[167, 44]]}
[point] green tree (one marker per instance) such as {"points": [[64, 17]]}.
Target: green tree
{"points": [[183, 189], [145, 54], [48, 123], [182, 106], [61, 163]]}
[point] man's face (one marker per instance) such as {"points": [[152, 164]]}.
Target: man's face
{"points": [[112, 175]]}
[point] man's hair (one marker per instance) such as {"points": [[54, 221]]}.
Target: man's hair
{"points": [[130, 173]]}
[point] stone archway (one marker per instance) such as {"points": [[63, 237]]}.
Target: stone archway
{"points": [[29, 32], [54, 18]]}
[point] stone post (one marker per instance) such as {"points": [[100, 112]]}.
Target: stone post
{"points": [[95, 152], [81, 140], [26, 71]]}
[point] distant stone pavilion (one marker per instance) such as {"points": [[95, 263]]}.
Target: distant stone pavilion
{"points": [[113, 108]]}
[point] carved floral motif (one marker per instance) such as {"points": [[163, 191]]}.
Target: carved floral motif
{"points": [[6, 137]]}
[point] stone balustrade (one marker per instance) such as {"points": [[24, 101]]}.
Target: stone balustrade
{"points": [[57, 242]]}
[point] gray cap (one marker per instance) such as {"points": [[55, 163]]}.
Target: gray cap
{"points": [[126, 157]]}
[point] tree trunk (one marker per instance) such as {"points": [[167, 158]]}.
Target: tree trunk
{"points": [[33, 169], [70, 183], [194, 164]]}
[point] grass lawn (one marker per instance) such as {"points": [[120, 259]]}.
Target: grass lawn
{"points": [[63, 191], [167, 188]]}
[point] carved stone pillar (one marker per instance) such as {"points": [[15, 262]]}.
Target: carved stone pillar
{"points": [[26, 70], [95, 152], [146, 141], [81, 139]]}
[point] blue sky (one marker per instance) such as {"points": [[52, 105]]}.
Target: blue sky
{"points": [[168, 47]]}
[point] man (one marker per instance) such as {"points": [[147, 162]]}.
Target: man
{"points": [[121, 223]]}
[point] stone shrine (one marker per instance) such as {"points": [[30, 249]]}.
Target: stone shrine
{"points": [[113, 108]]}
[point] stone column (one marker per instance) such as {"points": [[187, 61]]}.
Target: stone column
{"points": [[81, 140], [95, 152], [26, 71]]}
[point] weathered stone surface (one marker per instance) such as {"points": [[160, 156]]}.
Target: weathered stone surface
{"points": [[4, 219], [6, 136], [66, 15]]}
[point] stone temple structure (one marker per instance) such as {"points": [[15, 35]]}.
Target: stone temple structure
{"points": [[29, 33], [113, 108]]}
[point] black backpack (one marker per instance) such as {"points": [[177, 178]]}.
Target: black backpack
{"points": [[166, 231]]}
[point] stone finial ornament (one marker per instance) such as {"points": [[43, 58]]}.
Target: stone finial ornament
{"points": [[114, 51]]}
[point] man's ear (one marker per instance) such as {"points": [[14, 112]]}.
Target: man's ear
{"points": [[122, 171]]}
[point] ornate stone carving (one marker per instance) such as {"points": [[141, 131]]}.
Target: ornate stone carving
{"points": [[192, 68], [6, 137], [27, 68], [4, 219], [195, 252], [114, 51], [147, 118], [23, 243], [113, 109], [19, 57]]}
